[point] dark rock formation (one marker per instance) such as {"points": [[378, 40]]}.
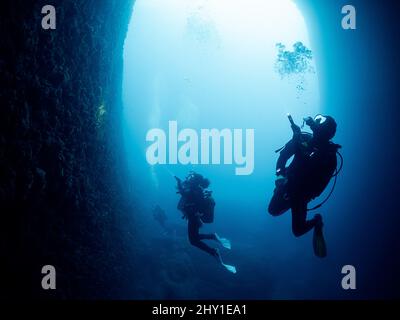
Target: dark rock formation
{"points": [[61, 195]]}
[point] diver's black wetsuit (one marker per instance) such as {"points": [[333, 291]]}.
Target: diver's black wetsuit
{"points": [[194, 224], [307, 177], [192, 199]]}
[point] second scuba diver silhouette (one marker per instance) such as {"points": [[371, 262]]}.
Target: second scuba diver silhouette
{"points": [[197, 205], [313, 166]]}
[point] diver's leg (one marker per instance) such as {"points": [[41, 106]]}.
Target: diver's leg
{"points": [[300, 224], [195, 238], [208, 236]]}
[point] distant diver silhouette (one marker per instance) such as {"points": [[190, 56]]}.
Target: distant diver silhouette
{"points": [[313, 166], [160, 216], [197, 205]]}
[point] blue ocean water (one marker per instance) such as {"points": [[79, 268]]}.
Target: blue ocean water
{"points": [[240, 68]]}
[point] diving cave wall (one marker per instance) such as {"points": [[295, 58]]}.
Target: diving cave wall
{"points": [[62, 200], [359, 72]]}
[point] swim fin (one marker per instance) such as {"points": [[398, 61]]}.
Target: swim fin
{"points": [[319, 244], [224, 242], [227, 266]]}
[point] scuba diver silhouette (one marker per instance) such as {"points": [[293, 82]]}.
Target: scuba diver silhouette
{"points": [[160, 216], [313, 166], [197, 205]]}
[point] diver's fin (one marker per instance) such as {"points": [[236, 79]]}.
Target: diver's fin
{"points": [[319, 242], [227, 266], [224, 242]]}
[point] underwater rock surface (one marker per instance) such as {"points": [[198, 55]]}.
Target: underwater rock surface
{"points": [[61, 195]]}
